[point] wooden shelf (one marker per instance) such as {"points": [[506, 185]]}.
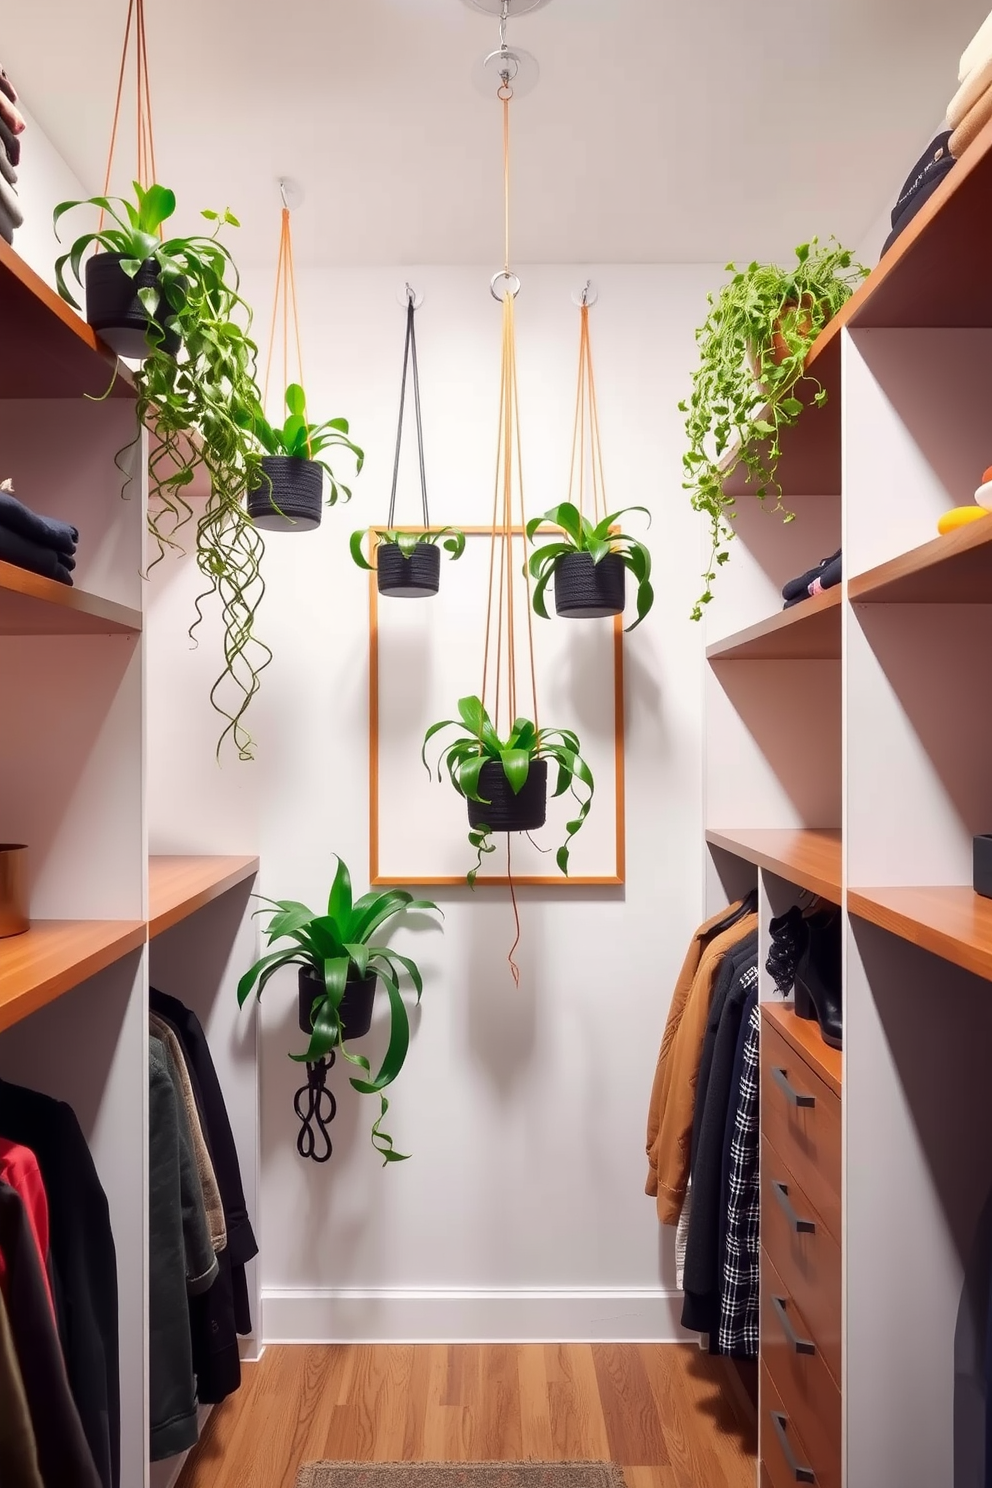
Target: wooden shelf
{"points": [[804, 1036], [48, 350], [953, 569], [178, 886], [32, 605], [954, 923], [807, 632], [56, 955], [807, 856]]}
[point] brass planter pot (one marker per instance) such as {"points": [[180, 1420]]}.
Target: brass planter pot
{"points": [[13, 889]]}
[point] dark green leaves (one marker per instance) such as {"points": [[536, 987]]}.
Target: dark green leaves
{"points": [[298, 439], [581, 536], [407, 542]]}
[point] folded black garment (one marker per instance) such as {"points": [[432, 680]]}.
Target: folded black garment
{"points": [[11, 144], [936, 154], [35, 557], [48, 531], [825, 575], [919, 198]]}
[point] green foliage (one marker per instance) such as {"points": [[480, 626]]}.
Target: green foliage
{"points": [[742, 397], [190, 401], [301, 440], [334, 946], [480, 743], [408, 542], [582, 536]]}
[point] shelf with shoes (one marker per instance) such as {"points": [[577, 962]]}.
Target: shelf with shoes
{"points": [[804, 1036]]}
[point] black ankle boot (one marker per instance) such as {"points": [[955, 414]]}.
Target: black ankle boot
{"points": [[818, 976], [789, 937]]}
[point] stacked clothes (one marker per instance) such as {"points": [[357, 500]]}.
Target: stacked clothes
{"points": [[43, 545], [11, 128], [825, 575], [971, 107]]}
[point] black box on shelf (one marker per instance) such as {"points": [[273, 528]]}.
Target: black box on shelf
{"points": [[982, 873]]}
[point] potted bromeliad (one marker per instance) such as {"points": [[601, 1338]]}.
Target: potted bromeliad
{"points": [[288, 495], [174, 303], [341, 959], [407, 564], [589, 564], [753, 348], [505, 781]]}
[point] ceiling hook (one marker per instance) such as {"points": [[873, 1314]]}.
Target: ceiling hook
{"points": [[503, 17], [282, 193], [585, 291]]}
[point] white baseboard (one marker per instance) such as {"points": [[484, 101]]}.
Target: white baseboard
{"points": [[387, 1316]]}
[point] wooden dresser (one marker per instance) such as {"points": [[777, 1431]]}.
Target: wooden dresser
{"points": [[800, 1378]]}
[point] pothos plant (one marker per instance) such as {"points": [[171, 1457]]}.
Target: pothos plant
{"points": [[753, 347], [337, 947], [580, 535], [299, 440], [450, 538], [479, 744], [191, 402]]}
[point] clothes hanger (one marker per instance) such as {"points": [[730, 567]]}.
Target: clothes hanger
{"points": [[747, 906]]}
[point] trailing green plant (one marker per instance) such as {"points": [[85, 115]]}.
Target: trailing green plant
{"points": [[753, 347], [300, 440], [335, 947], [580, 535], [525, 743], [408, 542], [190, 402]]}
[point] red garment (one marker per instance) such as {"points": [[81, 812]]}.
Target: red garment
{"points": [[19, 1169]]}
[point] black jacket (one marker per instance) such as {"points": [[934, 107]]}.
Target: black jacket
{"points": [[84, 1263]]}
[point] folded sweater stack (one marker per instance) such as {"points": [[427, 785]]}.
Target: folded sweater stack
{"points": [[971, 107], [43, 545], [11, 128]]}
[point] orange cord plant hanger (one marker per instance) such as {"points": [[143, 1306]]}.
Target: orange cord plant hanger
{"points": [[289, 495], [504, 775], [588, 560]]}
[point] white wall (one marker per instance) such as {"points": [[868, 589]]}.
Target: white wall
{"points": [[522, 1210]]}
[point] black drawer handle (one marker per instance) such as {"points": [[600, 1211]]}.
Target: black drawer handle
{"points": [[801, 1345], [800, 1473], [791, 1094], [801, 1226]]}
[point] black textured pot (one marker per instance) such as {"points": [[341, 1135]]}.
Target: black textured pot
{"points": [[506, 812], [416, 577], [291, 496], [114, 310], [585, 590], [355, 1011]]}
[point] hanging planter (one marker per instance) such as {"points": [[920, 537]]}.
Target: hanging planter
{"points": [[408, 564], [587, 590], [289, 496], [354, 1009], [499, 808], [129, 310]]}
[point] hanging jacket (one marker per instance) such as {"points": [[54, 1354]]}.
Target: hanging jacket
{"points": [[18, 1448], [673, 1094]]}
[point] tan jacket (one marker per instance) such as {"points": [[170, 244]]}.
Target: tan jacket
{"points": [[208, 1179], [673, 1096]]}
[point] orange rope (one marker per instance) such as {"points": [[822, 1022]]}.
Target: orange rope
{"points": [[514, 968], [285, 292], [587, 419], [146, 169]]}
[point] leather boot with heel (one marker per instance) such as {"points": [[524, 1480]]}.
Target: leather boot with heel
{"points": [[818, 985]]}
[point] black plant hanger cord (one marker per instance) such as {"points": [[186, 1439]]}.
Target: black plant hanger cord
{"points": [[316, 1107], [409, 356]]}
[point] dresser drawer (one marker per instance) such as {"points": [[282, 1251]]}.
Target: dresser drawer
{"points": [[800, 1375], [803, 1252], [782, 1451], [801, 1117]]}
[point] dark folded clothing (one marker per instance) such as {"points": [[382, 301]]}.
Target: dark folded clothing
{"points": [[919, 199], [48, 531], [936, 157], [11, 143], [825, 575], [35, 557]]}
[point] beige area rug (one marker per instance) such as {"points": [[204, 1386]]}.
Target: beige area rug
{"points": [[460, 1475]]}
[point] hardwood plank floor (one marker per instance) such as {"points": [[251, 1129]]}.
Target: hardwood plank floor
{"points": [[666, 1412]]}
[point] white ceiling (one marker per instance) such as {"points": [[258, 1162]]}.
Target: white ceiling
{"points": [[660, 131]]}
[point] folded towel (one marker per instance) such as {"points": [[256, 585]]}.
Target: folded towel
{"points": [[972, 124], [978, 50], [11, 143], [12, 116], [10, 202], [48, 531], [7, 87], [6, 169], [969, 93], [24, 553]]}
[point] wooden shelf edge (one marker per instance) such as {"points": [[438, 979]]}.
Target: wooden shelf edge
{"points": [[804, 1037], [113, 617], [780, 851], [107, 942], [746, 645], [884, 583], [179, 885], [881, 907]]}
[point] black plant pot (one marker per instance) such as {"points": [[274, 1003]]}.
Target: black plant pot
{"points": [[507, 812], [290, 497], [416, 577], [585, 590], [355, 1011], [114, 310]]}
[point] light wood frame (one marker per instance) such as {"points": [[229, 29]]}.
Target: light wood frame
{"points": [[558, 880]]}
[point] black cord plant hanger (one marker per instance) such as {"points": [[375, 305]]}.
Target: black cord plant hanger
{"points": [[406, 560]]}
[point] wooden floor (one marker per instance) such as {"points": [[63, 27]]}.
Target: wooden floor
{"points": [[670, 1415]]}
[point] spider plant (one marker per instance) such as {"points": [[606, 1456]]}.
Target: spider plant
{"points": [[337, 947], [299, 440], [580, 535], [408, 542], [479, 745]]}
